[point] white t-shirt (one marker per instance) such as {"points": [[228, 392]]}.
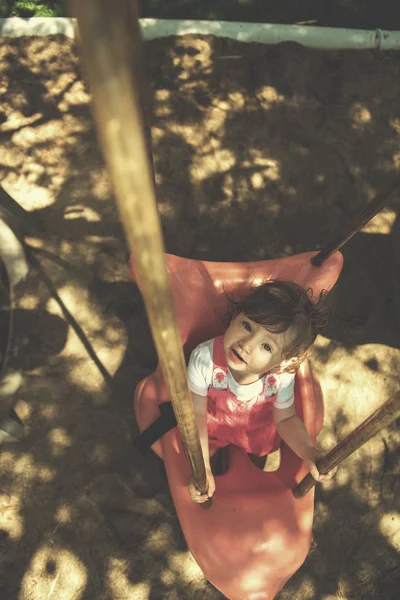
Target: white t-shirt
{"points": [[200, 371]]}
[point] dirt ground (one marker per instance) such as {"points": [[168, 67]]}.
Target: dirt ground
{"points": [[259, 152]]}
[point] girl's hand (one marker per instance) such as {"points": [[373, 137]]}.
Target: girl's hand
{"points": [[197, 496], [311, 461]]}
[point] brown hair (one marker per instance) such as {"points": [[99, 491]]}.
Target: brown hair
{"points": [[280, 305]]}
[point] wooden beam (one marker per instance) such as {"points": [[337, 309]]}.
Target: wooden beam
{"points": [[111, 51], [358, 222], [379, 420]]}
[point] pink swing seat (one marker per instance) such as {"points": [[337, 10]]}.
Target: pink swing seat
{"points": [[256, 535]]}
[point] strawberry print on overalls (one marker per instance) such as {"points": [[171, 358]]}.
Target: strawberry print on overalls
{"points": [[244, 423]]}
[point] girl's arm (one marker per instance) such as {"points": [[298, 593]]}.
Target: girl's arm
{"points": [[293, 432]]}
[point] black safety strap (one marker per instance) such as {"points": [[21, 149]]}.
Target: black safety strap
{"points": [[165, 422]]}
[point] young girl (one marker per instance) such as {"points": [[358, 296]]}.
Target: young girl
{"points": [[242, 383]]}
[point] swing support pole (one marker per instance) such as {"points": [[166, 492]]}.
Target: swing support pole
{"points": [[375, 423], [357, 223], [111, 55]]}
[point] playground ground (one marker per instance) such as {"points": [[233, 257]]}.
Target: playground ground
{"points": [[259, 152]]}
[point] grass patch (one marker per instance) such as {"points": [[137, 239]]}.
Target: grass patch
{"points": [[32, 8]]}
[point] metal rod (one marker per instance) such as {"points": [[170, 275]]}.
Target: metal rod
{"points": [[6, 307], [361, 219], [70, 319], [379, 420], [106, 42]]}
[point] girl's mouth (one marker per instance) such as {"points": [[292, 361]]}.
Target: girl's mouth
{"points": [[235, 357]]}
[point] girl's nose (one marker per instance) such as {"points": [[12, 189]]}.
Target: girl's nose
{"points": [[247, 344]]}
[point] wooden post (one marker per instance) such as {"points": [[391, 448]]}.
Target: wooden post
{"points": [[381, 418], [106, 31], [356, 224]]}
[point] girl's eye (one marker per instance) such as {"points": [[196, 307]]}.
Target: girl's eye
{"points": [[267, 347], [246, 325]]}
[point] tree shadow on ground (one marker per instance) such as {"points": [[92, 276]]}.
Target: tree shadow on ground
{"points": [[258, 156]]}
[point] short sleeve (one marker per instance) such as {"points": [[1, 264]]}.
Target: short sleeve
{"points": [[199, 370], [285, 390]]}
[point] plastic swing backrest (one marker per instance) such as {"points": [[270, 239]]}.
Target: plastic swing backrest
{"points": [[201, 288]]}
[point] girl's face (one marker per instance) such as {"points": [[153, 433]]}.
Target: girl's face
{"points": [[251, 350]]}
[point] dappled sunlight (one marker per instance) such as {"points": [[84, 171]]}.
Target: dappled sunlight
{"points": [[349, 384], [58, 84], [63, 514], [235, 101], [82, 212], [257, 179], [219, 161], [29, 302], [76, 298], [16, 120], [25, 463], [46, 474], [25, 468], [49, 411], [343, 589], [157, 134], [352, 391], [100, 185], [24, 409], [162, 96], [321, 514], [395, 124], [271, 168], [163, 110], [396, 160], [382, 223], [195, 137], [11, 521], [268, 97], [390, 528], [166, 210], [11, 159], [158, 538], [342, 478], [360, 115], [39, 197], [256, 157], [44, 113], [328, 440], [118, 581], [75, 96], [307, 589], [278, 542], [84, 374], [215, 120], [100, 454], [59, 441], [29, 137], [54, 573], [33, 172], [184, 564], [305, 520], [345, 363], [189, 63], [88, 248], [105, 334]]}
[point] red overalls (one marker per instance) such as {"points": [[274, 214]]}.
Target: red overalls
{"points": [[244, 423]]}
